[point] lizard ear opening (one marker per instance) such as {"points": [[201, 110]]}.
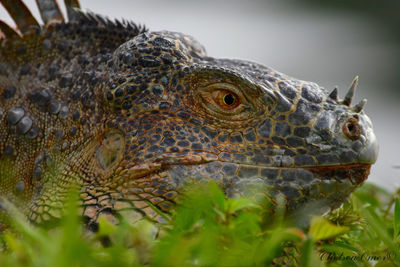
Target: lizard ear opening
{"points": [[110, 150]]}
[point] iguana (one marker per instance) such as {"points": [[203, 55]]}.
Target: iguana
{"points": [[129, 115]]}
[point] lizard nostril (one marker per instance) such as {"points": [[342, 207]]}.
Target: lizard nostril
{"points": [[352, 129]]}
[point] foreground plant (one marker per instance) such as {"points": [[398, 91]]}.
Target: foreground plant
{"points": [[207, 229]]}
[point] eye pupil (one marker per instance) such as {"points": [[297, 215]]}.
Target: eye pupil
{"points": [[229, 99]]}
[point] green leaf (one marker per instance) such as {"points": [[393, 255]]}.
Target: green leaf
{"points": [[106, 227], [158, 211], [308, 254], [366, 197], [396, 219], [217, 195], [378, 229], [340, 247], [237, 204], [322, 229], [246, 225]]}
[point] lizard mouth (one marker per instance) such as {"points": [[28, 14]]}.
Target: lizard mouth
{"points": [[323, 185], [356, 173]]}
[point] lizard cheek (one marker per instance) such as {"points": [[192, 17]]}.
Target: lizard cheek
{"points": [[110, 150]]}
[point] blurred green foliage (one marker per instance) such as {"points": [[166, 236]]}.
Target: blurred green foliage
{"points": [[208, 229]]}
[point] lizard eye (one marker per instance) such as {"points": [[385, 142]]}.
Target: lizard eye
{"points": [[223, 100], [227, 99]]}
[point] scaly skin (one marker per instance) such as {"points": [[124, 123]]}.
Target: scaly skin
{"points": [[129, 116]]}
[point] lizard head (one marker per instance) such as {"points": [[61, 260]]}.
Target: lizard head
{"points": [[186, 115], [128, 116]]}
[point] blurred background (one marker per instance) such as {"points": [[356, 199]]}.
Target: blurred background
{"points": [[328, 42]]}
